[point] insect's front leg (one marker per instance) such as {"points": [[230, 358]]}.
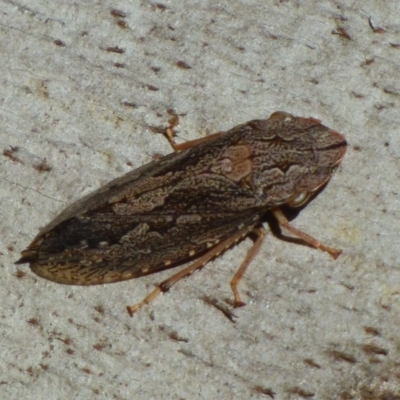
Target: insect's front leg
{"points": [[170, 135], [284, 223]]}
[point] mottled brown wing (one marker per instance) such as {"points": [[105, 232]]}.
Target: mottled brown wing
{"points": [[161, 214], [84, 252]]}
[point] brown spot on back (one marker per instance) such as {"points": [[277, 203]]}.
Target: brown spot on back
{"points": [[236, 163]]}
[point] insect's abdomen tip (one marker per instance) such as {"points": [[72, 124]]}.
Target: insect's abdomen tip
{"points": [[27, 257]]}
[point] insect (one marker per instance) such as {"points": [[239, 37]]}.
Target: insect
{"points": [[191, 205]]}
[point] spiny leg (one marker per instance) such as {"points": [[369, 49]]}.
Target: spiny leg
{"points": [[170, 135], [261, 233], [283, 222], [166, 285]]}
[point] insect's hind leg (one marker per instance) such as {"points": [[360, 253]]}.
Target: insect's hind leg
{"points": [[199, 263]]}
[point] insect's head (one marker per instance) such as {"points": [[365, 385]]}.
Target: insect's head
{"points": [[299, 159], [328, 150]]}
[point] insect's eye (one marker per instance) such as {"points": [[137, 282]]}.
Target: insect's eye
{"points": [[299, 199], [281, 115]]}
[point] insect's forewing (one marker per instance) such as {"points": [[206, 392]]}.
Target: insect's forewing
{"points": [[150, 219], [142, 245]]}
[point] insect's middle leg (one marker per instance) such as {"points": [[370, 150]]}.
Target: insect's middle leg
{"points": [[261, 233], [199, 263]]}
